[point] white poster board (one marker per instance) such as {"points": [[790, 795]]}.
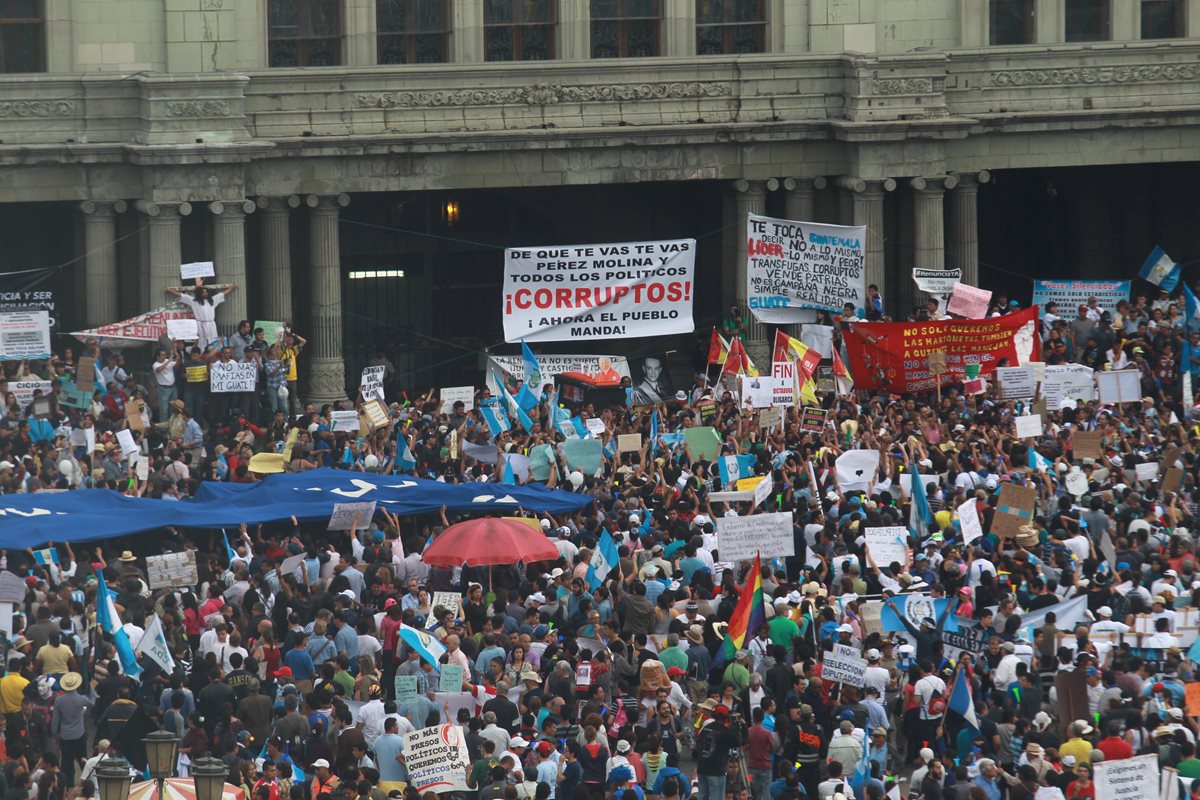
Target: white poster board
{"points": [[762, 492], [343, 420], [1029, 426], [1067, 382], [456, 394], [197, 269], [1127, 778], [234, 376], [1121, 386], [23, 390], [183, 330], [437, 759], [172, 570], [770, 535], [794, 268], [371, 382], [843, 669], [887, 545], [128, 445], [1016, 383], [968, 520], [24, 335], [344, 513], [906, 482], [451, 601]]}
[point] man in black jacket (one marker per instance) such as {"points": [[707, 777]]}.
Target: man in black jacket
{"points": [[719, 735]]}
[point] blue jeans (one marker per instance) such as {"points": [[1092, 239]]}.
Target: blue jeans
{"points": [[712, 787], [165, 395], [760, 784]]}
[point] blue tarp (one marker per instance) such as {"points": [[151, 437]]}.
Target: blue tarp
{"points": [[88, 515]]}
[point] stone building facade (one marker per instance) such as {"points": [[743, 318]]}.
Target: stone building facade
{"points": [[270, 136]]}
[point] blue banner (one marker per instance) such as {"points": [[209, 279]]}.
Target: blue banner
{"points": [[1071, 294], [92, 514]]}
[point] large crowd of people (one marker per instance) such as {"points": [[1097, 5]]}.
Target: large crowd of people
{"points": [[630, 683]]}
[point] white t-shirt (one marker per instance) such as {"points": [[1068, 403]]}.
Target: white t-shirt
{"points": [[925, 689]]}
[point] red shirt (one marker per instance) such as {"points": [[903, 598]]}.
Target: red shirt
{"points": [[273, 786], [1114, 747]]}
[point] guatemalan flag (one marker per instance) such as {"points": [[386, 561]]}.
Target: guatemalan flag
{"points": [[110, 622], [404, 457], [424, 644], [961, 701], [1160, 270], [919, 514], [734, 468], [1191, 317], [604, 560]]}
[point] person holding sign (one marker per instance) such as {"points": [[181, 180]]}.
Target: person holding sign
{"points": [[203, 304]]}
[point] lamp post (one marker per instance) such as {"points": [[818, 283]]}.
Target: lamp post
{"points": [[114, 779], [209, 775], [162, 753]]}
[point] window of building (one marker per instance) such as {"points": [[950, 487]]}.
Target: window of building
{"points": [[626, 28], [1011, 22], [305, 33], [412, 31], [22, 36], [519, 30], [728, 27], [1163, 19], [1088, 20]]}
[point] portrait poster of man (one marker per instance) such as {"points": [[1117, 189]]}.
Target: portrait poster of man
{"points": [[651, 379]]}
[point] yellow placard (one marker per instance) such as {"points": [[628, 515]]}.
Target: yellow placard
{"points": [[197, 374], [747, 484]]}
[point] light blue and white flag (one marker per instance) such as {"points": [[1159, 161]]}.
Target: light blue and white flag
{"points": [[46, 557], [496, 419], [604, 560], [734, 468], [424, 644], [154, 645], [1161, 270], [110, 622], [1191, 308], [404, 458]]}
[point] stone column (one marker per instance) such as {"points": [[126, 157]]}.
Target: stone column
{"points": [[100, 264], [162, 222], [328, 376], [750, 198], [929, 226], [229, 257], [799, 202], [962, 225], [275, 257], [866, 208]]}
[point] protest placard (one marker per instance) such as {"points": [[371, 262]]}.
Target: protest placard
{"points": [[1077, 482], [595, 425], [629, 442], [128, 445], [183, 330], [458, 394], [172, 570], [1014, 509], [436, 759], [599, 291], [795, 268], [12, 588], [1087, 444], [1126, 778], [197, 269], [969, 301], [1028, 426], [1016, 383], [232, 376], [937, 282], [451, 601], [759, 392], [968, 520], [1146, 471], [371, 382], [584, 455], [376, 414], [1067, 382], [24, 335], [406, 688], [1119, 386], [290, 565], [451, 678], [887, 545], [762, 491], [23, 391], [813, 419], [906, 482], [85, 374], [343, 420], [1071, 294], [600, 370], [703, 443], [1172, 479], [770, 417], [770, 535], [965, 640], [344, 514], [273, 331], [843, 669], [133, 414]]}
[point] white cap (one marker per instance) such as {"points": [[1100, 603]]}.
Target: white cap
{"points": [[320, 762], [545, 524], [701, 519], [843, 628], [517, 741], [634, 519], [873, 655], [1104, 611]]}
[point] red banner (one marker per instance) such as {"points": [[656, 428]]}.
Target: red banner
{"points": [[895, 355]]}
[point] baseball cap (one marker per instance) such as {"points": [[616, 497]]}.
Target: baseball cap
{"points": [[320, 762]]}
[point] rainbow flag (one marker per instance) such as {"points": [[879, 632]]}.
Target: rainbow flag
{"points": [[749, 614]]}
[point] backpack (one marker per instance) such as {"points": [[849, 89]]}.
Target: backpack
{"points": [[937, 704], [709, 744]]}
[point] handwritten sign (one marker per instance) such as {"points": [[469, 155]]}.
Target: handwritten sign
{"points": [[183, 330], [887, 545], [197, 269], [172, 570], [343, 516], [343, 420], [371, 382], [769, 535], [451, 678], [1029, 426], [233, 376], [436, 759]]}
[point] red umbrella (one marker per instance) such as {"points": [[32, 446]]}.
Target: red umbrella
{"points": [[489, 540]]}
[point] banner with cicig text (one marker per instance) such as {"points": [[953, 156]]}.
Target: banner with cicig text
{"points": [[793, 268], [598, 291]]}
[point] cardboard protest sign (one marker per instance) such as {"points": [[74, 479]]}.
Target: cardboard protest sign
{"points": [[172, 570], [344, 514], [24, 335], [1029, 426], [888, 544], [85, 374], [1016, 383], [376, 413], [457, 394], [1172, 479], [969, 301], [197, 269], [629, 442], [234, 376], [739, 538], [795, 268], [436, 759], [133, 415], [183, 330], [1087, 444], [703, 443], [599, 291], [343, 420], [371, 382], [1119, 386], [968, 520], [1014, 509]]}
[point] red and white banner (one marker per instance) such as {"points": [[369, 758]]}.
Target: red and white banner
{"points": [[895, 355], [148, 327], [598, 291]]}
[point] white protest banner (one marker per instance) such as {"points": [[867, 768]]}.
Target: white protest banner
{"points": [[762, 491], [843, 669], [436, 759], [371, 382], [1126, 778], [343, 420], [770, 535], [458, 394], [795, 268], [1029, 425], [451, 601], [23, 390], [598, 291], [197, 269], [183, 330], [1016, 383], [234, 376], [937, 282], [128, 445], [968, 521], [172, 570], [887, 545], [344, 514], [969, 301], [24, 335], [1067, 382], [1120, 386]]}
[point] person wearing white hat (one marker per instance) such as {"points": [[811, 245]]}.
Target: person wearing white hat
{"points": [[876, 674], [1106, 624]]}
